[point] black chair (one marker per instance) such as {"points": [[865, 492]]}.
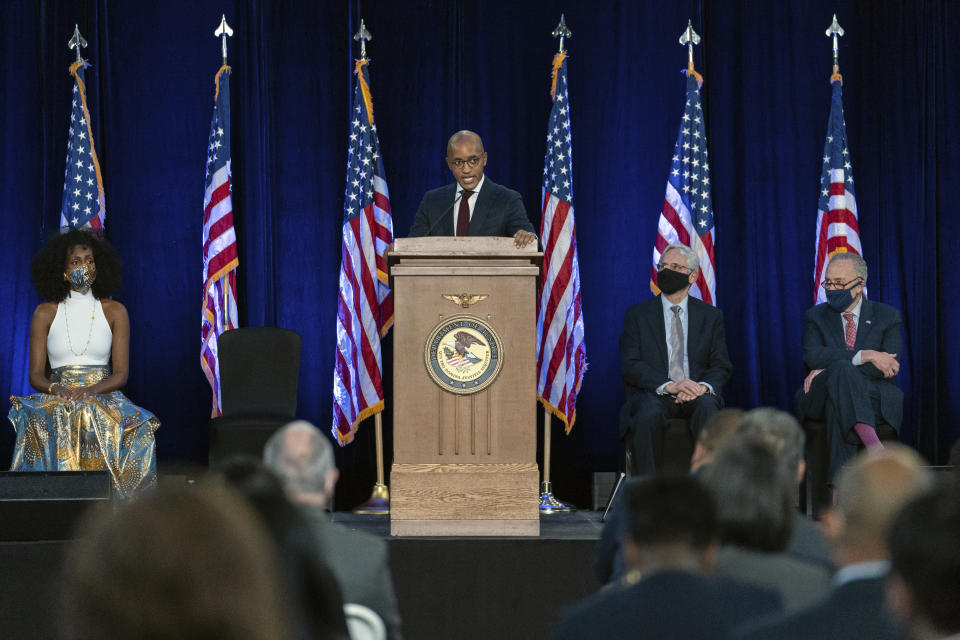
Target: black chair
{"points": [[259, 372], [816, 487]]}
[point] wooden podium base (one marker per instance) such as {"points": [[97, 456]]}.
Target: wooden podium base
{"points": [[464, 500]]}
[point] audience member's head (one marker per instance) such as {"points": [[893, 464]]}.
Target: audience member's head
{"points": [[870, 492], [302, 458], [312, 590], [781, 432], [924, 543], [192, 563], [671, 524], [713, 434], [753, 489]]}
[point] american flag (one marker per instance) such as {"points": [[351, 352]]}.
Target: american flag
{"points": [[561, 351], [365, 304], [837, 228], [219, 240], [83, 204], [687, 215]]}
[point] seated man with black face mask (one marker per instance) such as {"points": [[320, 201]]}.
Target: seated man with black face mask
{"points": [[851, 347], [673, 357]]}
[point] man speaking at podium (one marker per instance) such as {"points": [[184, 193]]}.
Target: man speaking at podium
{"points": [[474, 205]]}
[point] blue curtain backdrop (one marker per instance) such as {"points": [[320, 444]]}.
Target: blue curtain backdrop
{"points": [[438, 66]]}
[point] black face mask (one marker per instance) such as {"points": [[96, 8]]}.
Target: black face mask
{"points": [[840, 299], [671, 281]]}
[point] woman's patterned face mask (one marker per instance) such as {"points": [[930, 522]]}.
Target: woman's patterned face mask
{"points": [[81, 278]]}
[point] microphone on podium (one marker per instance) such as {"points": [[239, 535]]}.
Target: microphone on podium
{"points": [[445, 213]]}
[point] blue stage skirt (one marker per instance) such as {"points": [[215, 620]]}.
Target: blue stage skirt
{"points": [[101, 432]]}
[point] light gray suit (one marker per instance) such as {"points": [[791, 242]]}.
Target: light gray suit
{"points": [[799, 583]]}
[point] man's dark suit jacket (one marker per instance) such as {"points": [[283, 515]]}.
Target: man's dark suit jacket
{"points": [[879, 330], [667, 605], [643, 347], [854, 610], [498, 211], [361, 565]]}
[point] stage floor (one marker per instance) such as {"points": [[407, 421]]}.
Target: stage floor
{"points": [[447, 587], [578, 525]]}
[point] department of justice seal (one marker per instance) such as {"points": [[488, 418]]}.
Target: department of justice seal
{"points": [[463, 354]]}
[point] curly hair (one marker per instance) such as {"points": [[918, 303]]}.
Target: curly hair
{"points": [[46, 269]]}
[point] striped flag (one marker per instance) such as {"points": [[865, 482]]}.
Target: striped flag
{"points": [[687, 215], [561, 351], [365, 304], [219, 240], [83, 204], [838, 230]]}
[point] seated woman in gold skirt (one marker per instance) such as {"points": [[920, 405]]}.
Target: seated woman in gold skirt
{"points": [[79, 359]]}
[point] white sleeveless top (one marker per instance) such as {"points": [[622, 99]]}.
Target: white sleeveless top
{"points": [[72, 326]]}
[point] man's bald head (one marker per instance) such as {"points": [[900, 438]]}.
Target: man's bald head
{"points": [[461, 137], [874, 487], [302, 457]]}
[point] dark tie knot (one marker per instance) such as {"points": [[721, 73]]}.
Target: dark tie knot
{"points": [[848, 317], [676, 309], [466, 193]]}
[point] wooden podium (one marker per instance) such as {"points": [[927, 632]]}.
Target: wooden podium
{"points": [[464, 370]]}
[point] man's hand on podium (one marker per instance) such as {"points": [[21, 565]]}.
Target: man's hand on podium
{"points": [[523, 238]]}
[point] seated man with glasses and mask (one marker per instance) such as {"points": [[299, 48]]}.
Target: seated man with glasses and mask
{"points": [[474, 205], [851, 347], [673, 357]]}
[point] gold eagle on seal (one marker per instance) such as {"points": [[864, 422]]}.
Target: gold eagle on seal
{"points": [[465, 299]]}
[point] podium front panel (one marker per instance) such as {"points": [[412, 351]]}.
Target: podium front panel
{"points": [[464, 462]]}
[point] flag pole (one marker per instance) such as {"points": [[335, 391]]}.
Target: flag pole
{"points": [[835, 31], [223, 31], [379, 501], [548, 503]]}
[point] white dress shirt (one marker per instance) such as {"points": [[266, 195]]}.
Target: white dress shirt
{"points": [[668, 325], [472, 201]]}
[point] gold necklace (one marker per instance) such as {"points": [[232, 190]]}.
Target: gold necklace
{"points": [[89, 335]]}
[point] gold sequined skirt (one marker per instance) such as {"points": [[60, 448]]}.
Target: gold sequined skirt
{"points": [[102, 431]]}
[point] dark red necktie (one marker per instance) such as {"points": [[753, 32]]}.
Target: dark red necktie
{"points": [[850, 335], [463, 216]]}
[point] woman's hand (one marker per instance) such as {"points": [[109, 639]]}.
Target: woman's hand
{"points": [[74, 395]]}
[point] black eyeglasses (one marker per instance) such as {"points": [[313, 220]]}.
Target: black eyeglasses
{"points": [[471, 162], [832, 285]]}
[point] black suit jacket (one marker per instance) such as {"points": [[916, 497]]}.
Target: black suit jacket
{"points": [[879, 329], [667, 605], [643, 347], [498, 211], [854, 610]]}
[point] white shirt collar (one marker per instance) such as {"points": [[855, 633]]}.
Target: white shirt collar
{"points": [[476, 189], [856, 309], [861, 571], [76, 295], [668, 306]]}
